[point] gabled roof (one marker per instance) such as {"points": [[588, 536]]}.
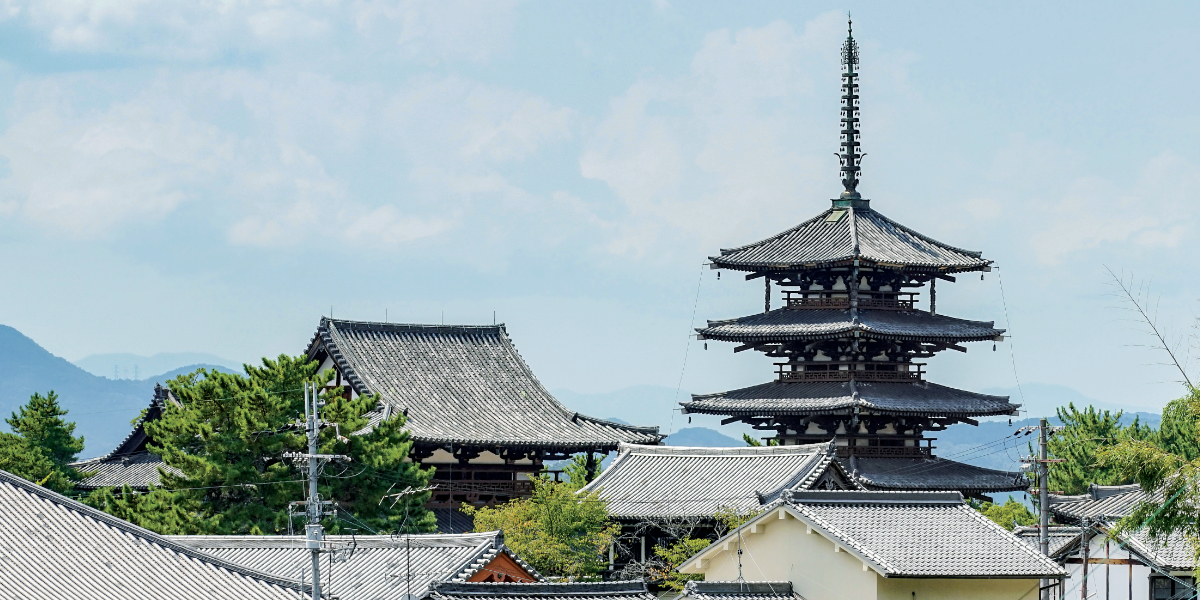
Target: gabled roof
{"points": [[832, 397], [378, 566], [1059, 538], [841, 235], [930, 473], [463, 385], [907, 534], [130, 463], [647, 482], [739, 590], [55, 547], [787, 324], [616, 590], [1101, 502], [1172, 554]]}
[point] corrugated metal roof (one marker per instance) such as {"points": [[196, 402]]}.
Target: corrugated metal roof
{"points": [[669, 481], [931, 473], [622, 590], [379, 567], [739, 590], [786, 324], [921, 534], [821, 242], [52, 547], [464, 385], [827, 397]]}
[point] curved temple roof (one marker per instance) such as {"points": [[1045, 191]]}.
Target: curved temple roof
{"points": [[839, 236], [828, 397], [679, 482], [462, 385], [785, 324], [932, 473]]}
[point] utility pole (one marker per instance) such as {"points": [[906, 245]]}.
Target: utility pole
{"points": [[1043, 487], [314, 507]]}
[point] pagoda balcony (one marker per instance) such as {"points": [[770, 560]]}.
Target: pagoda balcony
{"points": [[841, 301], [857, 371], [485, 488], [885, 451]]}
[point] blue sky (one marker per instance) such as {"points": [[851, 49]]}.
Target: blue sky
{"points": [[215, 176]]}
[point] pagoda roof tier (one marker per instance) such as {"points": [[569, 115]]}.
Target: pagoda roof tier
{"points": [[461, 384], [842, 235], [931, 473], [785, 324], [917, 398]]}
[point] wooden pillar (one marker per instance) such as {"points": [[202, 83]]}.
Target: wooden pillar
{"points": [[591, 466], [933, 296], [1084, 541], [767, 295]]}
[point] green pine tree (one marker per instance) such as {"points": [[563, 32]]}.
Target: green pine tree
{"points": [[1177, 432], [228, 439], [1085, 432], [42, 447]]}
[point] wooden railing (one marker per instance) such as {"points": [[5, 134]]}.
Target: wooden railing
{"points": [[488, 488], [884, 451], [865, 301], [848, 374]]}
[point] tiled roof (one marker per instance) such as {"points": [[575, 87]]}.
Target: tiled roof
{"points": [[921, 534], [130, 463], [54, 548], [1101, 502], [739, 590], [138, 471], [857, 233], [464, 385], [826, 397], [623, 590], [1058, 537], [786, 324], [672, 481], [932, 473], [378, 567]]}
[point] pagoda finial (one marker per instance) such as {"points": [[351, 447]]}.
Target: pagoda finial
{"points": [[850, 156]]}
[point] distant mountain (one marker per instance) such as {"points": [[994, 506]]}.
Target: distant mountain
{"points": [[702, 437], [101, 408], [133, 366], [646, 405], [1040, 399]]}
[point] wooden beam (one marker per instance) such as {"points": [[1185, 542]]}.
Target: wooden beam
{"points": [[945, 277]]}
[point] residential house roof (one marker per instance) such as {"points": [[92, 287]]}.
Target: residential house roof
{"points": [[789, 324], [930, 473], [739, 590], [839, 236], [1101, 502], [909, 534], [615, 590], [379, 565], [55, 547], [832, 397], [1058, 537], [648, 482], [1172, 554], [462, 385]]}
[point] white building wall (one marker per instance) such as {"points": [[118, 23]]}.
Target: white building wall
{"points": [[1107, 581]]}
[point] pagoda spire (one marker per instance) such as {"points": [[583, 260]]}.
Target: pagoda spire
{"points": [[850, 156]]}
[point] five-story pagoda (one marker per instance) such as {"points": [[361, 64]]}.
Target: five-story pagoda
{"points": [[850, 336]]}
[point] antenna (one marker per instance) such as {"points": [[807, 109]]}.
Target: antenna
{"points": [[850, 156]]}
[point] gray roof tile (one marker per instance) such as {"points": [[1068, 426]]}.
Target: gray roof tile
{"points": [[739, 590], [786, 324], [616, 590], [378, 567], [931, 473], [1100, 502], [646, 482], [463, 384], [921, 534], [138, 471], [54, 548], [860, 233], [814, 398], [1058, 537]]}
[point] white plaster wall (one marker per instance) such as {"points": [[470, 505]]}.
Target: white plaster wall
{"points": [[1107, 582], [956, 589], [783, 550]]}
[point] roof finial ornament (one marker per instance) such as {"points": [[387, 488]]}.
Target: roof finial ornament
{"points": [[850, 156]]}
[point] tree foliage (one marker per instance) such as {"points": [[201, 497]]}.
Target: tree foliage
{"points": [[671, 557], [756, 442], [228, 437], [1084, 432], [556, 530], [1170, 474], [1009, 515], [42, 445]]}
